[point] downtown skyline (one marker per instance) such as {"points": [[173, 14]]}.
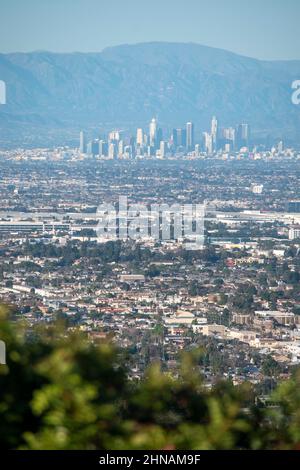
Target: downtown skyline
{"points": [[155, 141]]}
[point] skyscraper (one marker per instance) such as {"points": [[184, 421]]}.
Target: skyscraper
{"points": [[174, 138], [128, 151], [112, 151], [159, 137], [229, 138], [243, 135], [103, 148], [115, 136], [214, 133], [214, 126], [120, 148], [189, 136], [139, 137], [163, 148], [197, 150], [152, 132], [280, 146], [179, 137], [93, 148], [208, 142], [82, 144]]}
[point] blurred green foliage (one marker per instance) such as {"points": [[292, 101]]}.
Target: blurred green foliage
{"points": [[59, 391]]}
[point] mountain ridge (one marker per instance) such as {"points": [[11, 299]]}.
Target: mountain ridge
{"points": [[128, 84]]}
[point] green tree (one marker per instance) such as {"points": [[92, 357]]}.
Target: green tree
{"points": [[59, 391]]}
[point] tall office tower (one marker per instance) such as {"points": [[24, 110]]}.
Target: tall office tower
{"points": [[208, 143], [150, 150], [111, 150], [103, 148], [280, 146], [214, 126], [82, 145], [214, 132], [89, 150], [120, 148], [189, 136], [228, 137], [140, 137], [197, 150], [152, 132], [159, 137], [179, 137], [174, 138], [243, 135], [128, 151], [163, 146], [132, 141], [183, 138], [139, 151], [115, 135], [93, 148]]}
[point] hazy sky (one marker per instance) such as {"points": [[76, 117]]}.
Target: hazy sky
{"points": [[267, 29]]}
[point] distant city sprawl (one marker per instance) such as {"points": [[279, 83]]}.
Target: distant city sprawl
{"points": [[158, 143], [237, 296]]}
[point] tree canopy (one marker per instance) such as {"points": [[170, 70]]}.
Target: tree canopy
{"points": [[60, 391]]}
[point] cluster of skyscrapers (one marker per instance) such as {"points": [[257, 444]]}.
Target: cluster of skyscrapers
{"points": [[226, 138], [181, 141]]}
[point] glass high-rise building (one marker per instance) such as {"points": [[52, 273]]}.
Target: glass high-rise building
{"points": [[189, 135], [82, 144], [243, 135], [140, 137], [152, 132], [179, 137], [103, 148], [214, 133]]}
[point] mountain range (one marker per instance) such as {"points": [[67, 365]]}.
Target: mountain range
{"points": [[54, 95]]}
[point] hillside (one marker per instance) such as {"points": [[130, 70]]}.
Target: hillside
{"points": [[127, 85]]}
